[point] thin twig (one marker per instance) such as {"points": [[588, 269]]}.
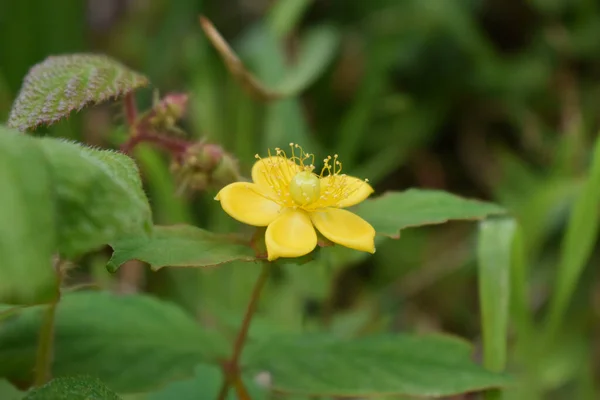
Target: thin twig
{"points": [[231, 367]]}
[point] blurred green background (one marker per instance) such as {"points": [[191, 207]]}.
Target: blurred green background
{"points": [[492, 99]]}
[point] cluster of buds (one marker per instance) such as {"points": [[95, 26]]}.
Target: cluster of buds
{"points": [[195, 165], [204, 166], [165, 113]]}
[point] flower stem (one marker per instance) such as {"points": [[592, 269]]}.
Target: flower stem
{"points": [[231, 367], [45, 347], [43, 361], [130, 109]]}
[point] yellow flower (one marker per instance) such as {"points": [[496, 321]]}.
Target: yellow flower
{"points": [[291, 200]]}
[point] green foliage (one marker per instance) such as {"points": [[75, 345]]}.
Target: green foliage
{"points": [[28, 232], [205, 384], [8, 392], [132, 343], [73, 388], [180, 246], [100, 196], [393, 212], [371, 366], [485, 99], [578, 242], [494, 253], [62, 198], [61, 84]]}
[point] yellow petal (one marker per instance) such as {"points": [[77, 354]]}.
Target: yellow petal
{"points": [[354, 190], [290, 235], [345, 228], [248, 203], [274, 171]]}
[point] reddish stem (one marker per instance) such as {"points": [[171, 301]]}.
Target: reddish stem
{"points": [[177, 147], [231, 367], [130, 110]]}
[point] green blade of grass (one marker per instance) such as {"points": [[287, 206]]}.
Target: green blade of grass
{"points": [[494, 252], [577, 246]]}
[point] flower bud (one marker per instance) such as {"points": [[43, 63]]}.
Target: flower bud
{"points": [[205, 166]]}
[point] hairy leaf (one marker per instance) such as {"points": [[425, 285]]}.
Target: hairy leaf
{"points": [[73, 388], [61, 198], [61, 84]]}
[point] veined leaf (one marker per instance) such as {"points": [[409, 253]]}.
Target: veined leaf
{"points": [[180, 246], [61, 84], [320, 365], [132, 343], [394, 211]]}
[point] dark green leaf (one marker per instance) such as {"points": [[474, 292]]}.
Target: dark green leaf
{"points": [[99, 196], [394, 211], [61, 84], [132, 343], [180, 246], [73, 388], [28, 235], [371, 366], [60, 197]]}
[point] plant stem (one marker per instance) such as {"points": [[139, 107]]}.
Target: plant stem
{"points": [[43, 362], [231, 367], [130, 110], [243, 333]]}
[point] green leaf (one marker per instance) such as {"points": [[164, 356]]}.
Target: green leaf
{"points": [[180, 246], [132, 343], [73, 388], [494, 254], [372, 366], [205, 384], [28, 235], [99, 196], [577, 244], [61, 84], [395, 211], [284, 15], [9, 392], [60, 197]]}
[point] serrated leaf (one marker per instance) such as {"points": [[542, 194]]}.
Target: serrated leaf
{"points": [[28, 235], [99, 196], [180, 246], [328, 366], [394, 211], [73, 388], [132, 343], [61, 84], [60, 197], [205, 384]]}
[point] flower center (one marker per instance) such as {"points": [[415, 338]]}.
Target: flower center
{"points": [[305, 188]]}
